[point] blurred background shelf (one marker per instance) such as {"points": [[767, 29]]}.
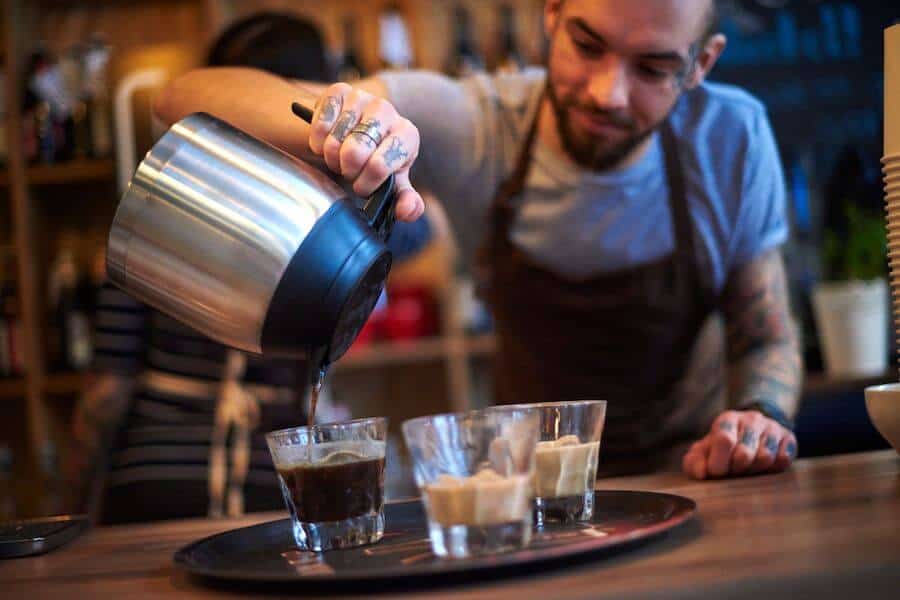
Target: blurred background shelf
{"points": [[68, 172], [55, 384], [382, 354], [12, 388], [819, 383], [64, 383], [411, 352]]}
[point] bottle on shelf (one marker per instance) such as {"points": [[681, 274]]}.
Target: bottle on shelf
{"points": [[70, 336], [95, 94], [35, 111], [53, 498], [12, 363], [510, 60], [394, 45], [7, 489], [350, 67], [4, 150], [465, 59], [77, 130]]}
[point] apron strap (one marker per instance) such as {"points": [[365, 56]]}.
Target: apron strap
{"points": [[678, 203]]}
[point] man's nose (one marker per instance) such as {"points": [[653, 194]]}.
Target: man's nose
{"points": [[608, 86]]}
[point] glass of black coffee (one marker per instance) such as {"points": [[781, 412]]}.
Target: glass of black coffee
{"points": [[332, 478]]}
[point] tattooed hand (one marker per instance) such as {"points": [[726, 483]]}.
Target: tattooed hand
{"points": [[740, 443], [362, 137]]}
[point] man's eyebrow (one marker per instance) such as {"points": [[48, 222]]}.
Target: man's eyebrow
{"points": [[668, 56], [664, 55]]}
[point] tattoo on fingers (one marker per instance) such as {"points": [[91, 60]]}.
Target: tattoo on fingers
{"points": [[790, 449], [395, 152], [749, 438], [330, 108], [344, 124], [363, 139]]}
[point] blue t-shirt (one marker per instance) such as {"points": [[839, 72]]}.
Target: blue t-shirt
{"points": [[580, 223]]}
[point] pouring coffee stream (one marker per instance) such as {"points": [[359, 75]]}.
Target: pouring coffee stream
{"points": [[253, 247]]}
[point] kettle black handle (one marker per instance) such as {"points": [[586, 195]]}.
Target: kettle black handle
{"points": [[379, 207]]}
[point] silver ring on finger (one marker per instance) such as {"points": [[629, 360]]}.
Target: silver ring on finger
{"points": [[369, 129], [344, 124]]}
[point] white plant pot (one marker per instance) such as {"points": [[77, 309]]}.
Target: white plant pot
{"points": [[852, 320]]}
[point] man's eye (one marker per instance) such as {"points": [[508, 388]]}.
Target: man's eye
{"points": [[652, 72], [587, 48]]}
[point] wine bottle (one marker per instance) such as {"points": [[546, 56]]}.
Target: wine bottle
{"points": [[511, 60], [7, 489], [350, 68], [69, 302], [12, 359], [98, 103], [465, 59], [394, 46], [53, 498]]}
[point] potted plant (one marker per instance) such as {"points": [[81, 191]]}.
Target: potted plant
{"points": [[851, 305]]}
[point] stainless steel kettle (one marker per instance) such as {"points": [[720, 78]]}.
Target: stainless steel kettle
{"points": [[249, 245]]}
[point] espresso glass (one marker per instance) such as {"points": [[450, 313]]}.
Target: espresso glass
{"points": [[332, 479]]}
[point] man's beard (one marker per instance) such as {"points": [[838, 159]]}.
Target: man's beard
{"points": [[583, 149]]}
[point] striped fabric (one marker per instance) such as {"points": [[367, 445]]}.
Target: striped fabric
{"points": [[160, 460]]}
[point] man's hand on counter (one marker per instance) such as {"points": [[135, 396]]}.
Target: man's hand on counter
{"points": [[740, 443], [362, 137]]}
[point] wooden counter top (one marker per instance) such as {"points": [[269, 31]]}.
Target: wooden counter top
{"points": [[828, 528]]}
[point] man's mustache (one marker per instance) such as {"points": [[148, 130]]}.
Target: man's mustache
{"points": [[615, 118]]}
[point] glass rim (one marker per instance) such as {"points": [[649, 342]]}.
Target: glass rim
{"points": [[556, 404], [455, 415], [325, 426], [450, 415]]}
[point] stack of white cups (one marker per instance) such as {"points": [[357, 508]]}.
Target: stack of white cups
{"points": [[883, 402]]}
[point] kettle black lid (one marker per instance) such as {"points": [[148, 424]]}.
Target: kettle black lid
{"points": [[329, 287]]}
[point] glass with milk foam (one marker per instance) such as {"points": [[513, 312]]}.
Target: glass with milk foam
{"points": [[474, 471], [565, 458]]}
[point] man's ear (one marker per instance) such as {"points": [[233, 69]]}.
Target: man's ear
{"points": [[552, 9], [706, 59]]}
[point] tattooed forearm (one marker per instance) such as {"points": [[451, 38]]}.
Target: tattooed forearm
{"points": [[344, 124], [395, 152], [764, 360], [755, 303]]}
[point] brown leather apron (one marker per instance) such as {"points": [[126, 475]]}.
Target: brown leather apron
{"points": [[625, 337]]}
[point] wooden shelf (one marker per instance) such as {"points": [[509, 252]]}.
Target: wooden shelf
{"points": [[55, 384], [380, 354], [412, 352], [12, 387], [484, 344], [815, 383], [68, 172], [64, 383]]}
